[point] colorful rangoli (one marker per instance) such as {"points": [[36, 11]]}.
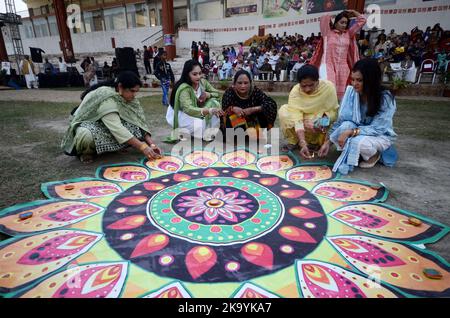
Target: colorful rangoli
{"points": [[209, 225]]}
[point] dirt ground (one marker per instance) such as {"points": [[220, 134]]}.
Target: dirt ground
{"points": [[420, 182]]}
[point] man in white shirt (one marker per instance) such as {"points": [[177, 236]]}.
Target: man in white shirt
{"points": [[62, 65], [273, 60]]}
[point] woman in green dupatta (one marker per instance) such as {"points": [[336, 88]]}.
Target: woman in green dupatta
{"points": [[194, 106], [109, 119]]}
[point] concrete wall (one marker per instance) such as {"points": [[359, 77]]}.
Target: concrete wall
{"points": [[91, 42], [238, 29]]}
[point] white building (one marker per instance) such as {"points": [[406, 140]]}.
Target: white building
{"points": [[219, 22]]}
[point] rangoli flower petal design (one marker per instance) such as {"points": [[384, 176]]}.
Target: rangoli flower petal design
{"points": [[218, 225]]}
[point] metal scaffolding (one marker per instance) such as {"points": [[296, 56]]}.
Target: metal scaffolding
{"points": [[12, 20]]}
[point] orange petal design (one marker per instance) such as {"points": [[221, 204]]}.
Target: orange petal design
{"points": [[403, 269], [348, 191], [126, 173], [174, 290], [309, 173], [269, 181], [241, 174], [181, 177], [249, 290], [211, 173], [134, 200], [83, 189], [295, 234], [85, 281], [238, 158], [153, 186], [48, 216], [390, 224], [166, 164], [259, 254], [304, 213], [292, 194], [150, 244], [201, 159], [200, 260], [272, 164], [128, 223]]}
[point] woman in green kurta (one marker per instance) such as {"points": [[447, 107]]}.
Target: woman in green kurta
{"points": [[194, 105], [109, 119]]}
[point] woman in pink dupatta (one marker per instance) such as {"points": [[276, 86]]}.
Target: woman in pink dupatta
{"points": [[337, 52]]}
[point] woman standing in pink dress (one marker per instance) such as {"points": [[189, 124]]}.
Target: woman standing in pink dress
{"points": [[337, 52]]}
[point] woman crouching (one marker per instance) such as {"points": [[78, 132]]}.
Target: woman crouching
{"points": [[109, 119], [364, 126]]}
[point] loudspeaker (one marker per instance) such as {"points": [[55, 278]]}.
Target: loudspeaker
{"points": [[126, 59], [36, 54]]}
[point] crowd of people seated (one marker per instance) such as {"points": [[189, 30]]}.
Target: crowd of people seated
{"points": [[401, 55], [280, 57]]}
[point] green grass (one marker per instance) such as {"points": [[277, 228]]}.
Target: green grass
{"points": [[32, 131]]}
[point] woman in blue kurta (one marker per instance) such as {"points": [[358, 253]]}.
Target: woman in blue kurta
{"points": [[364, 131]]}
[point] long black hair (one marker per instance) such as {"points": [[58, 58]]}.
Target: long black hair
{"points": [[308, 71], [185, 78], [128, 79], [341, 15], [372, 87]]}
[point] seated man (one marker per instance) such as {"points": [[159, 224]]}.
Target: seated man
{"points": [[265, 70], [225, 71]]}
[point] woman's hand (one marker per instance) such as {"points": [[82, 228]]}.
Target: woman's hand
{"points": [[323, 151], [238, 111], [152, 153], [216, 112], [304, 152], [343, 137], [354, 13]]}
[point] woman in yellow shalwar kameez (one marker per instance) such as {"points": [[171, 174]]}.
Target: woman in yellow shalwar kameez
{"points": [[311, 110]]}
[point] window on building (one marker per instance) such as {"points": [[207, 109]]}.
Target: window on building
{"points": [[93, 21], [115, 18], [41, 27], [205, 9], [152, 17], [27, 29], [53, 26], [137, 15]]}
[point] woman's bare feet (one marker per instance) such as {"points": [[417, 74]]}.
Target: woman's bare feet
{"points": [[87, 158]]}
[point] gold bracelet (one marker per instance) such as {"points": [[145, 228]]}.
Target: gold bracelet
{"points": [[143, 146]]}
